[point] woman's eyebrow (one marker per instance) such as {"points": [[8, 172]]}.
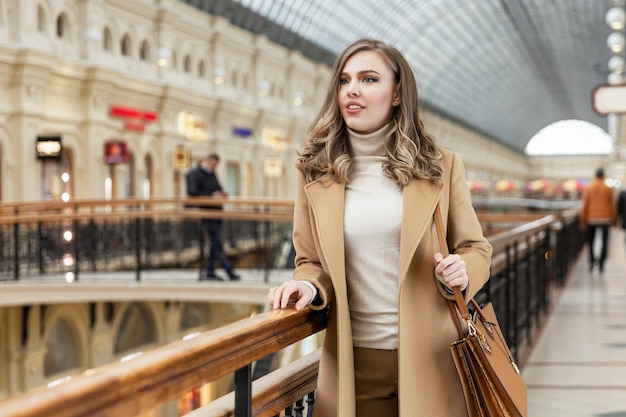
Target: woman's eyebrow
{"points": [[363, 72]]}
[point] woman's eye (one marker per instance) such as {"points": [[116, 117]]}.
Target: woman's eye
{"points": [[369, 80], [343, 82]]}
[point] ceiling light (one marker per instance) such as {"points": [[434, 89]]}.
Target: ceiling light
{"points": [[615, 42], [616, 18]]}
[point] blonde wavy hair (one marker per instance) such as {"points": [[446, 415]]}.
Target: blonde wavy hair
{"points": [[411, 151]]}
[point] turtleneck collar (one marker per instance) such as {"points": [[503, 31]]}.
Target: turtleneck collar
{"points": [[369, 144]]}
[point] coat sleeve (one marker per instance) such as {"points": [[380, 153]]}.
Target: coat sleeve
{"points": [[193, 188], [308, 264], [465, 235]]}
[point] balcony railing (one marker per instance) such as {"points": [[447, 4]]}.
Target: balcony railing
{"points": [[531, 260], [39, 239]]}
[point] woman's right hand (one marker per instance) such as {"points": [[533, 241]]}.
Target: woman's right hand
{"points": [[295, 293]]}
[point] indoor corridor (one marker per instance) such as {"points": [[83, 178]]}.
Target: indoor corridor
{"points": [[577, 367]]}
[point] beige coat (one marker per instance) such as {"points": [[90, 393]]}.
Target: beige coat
{"points": [[428, 383]]}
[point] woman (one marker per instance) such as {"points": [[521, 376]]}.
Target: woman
{"points": [[369, 179]]}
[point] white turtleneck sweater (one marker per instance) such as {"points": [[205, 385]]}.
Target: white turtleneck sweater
{"points": [[372, 217]]}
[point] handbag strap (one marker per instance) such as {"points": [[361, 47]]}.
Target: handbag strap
{"points": [[458, 297]]}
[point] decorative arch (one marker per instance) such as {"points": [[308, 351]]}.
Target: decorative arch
{"points": [[135, 326], [187, 63], [126, 46], [42, 19], [111, 26], [150, 159], [107, 39], [201, 69], [62, 27], [66, 331], [148, 180], [145, 51]]}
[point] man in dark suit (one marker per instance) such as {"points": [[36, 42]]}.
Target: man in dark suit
{"points": [[202, 181]]}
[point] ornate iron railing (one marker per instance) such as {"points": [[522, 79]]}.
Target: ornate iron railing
{"points": [[38, 239]]}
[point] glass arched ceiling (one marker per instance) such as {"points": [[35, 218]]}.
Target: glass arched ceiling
{"points": [[505, 68]]}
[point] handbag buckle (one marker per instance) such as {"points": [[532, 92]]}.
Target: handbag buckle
{"points": [[471, 328]]}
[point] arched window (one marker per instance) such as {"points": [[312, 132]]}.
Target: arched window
{"points": [[41, 20], [135, 329], [61, 349], [107, 39], [62, 26], [201, 69], [144, 51], [125, 46], [187, 64]]}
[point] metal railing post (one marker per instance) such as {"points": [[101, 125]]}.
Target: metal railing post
{"points": [[138, 242], [243, 392], [16, 252]]}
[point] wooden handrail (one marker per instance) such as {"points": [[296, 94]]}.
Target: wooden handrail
{"points": [[500, 240], [82, 204], [162, 374], [150, 214], [272, 393], [236, 208]]}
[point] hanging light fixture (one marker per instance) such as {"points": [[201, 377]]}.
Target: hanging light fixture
{"points": [[616, 18], [163, 56], [219, 76]]}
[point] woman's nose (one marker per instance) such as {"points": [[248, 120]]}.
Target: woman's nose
{"points": [[353, 89]]}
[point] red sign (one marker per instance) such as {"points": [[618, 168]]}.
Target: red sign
{"points": [[136, 119], [116, 152]]}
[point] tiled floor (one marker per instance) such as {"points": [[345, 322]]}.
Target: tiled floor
{"points": [[578, 365]]}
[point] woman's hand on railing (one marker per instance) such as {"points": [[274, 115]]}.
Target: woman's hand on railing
{"points": [[296, 293]]}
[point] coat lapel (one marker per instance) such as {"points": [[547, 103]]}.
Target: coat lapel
{"points": [[419, 199], [326, 199]]}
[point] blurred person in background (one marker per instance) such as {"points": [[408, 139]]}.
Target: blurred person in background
{"points": [[621, 208], [598, 212], [203, 182]]}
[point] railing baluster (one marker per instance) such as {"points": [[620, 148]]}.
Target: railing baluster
{"points": [[138, 243], [310, 399], [16, 246], [243, 392], [298, 408]]}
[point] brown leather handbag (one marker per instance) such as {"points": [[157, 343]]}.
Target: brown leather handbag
{"points": [[492, 383]]}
